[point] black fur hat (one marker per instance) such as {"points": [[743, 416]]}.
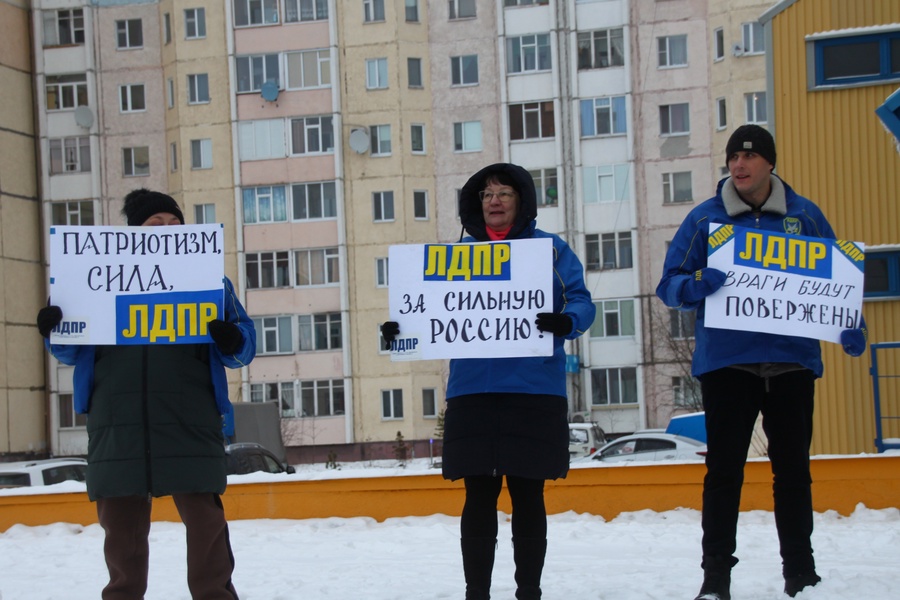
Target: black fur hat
{"points": [[141, 204]]}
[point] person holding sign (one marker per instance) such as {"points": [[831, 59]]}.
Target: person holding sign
{"points": [[508, 416], [155, 429], [745, 373]]}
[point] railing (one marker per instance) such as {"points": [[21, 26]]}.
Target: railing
{"points": [[882, 443]]}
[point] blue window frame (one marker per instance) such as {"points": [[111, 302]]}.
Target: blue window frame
{"points": [[857, 59], [882, 275], [889, 113]]}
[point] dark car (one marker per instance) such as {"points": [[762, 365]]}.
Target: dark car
{"points": [[249, 458]]}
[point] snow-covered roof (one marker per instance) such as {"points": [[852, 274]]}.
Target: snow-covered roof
{"points": [[854, 31]]}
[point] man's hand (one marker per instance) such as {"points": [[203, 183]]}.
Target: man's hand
{"points": [[854, 340], [389, 332], [47, 319], [701, 284], [558, 324], [227, 336]]}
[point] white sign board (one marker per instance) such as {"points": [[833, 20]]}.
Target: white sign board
{"points": [[471, 300], [785, 284], [136, 285]]}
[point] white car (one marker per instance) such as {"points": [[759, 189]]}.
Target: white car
{"points": [[585, 439], [650, 446], [42, 472]]}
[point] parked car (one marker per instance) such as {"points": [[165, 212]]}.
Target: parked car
{"points": [[585, 439], [650, 446], [42, 472], [249, 457]]}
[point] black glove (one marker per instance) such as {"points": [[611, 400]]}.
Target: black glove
{"points": [[48, 318], [558, 324], [227, 336], [702, 283], [389, 332]]}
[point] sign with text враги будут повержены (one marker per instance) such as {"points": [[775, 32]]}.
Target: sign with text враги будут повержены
{"points": [[136, 285], [470, 300], [785, 284]]}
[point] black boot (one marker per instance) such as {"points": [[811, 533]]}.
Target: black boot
{"points": [[478, 563], [794, 584], [528, 554], [716, 585]]}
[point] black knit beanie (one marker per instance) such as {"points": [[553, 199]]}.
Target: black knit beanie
{"points": [[141, 204], [751, 138]]}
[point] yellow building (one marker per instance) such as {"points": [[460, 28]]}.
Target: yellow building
{"points": [[829, 67]]}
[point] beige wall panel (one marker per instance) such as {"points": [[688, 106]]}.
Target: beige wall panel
{"points": [[296, 36], [15, 98], [21, 222], [311, 234], [291, 170], [15, 41], [289, 104], [26, 412], [17, 166]]}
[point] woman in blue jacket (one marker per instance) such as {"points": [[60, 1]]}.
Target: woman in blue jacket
{"points": [[154, 421], [509, 416]]}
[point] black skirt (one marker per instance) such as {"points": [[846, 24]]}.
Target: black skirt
{"points": [[523, 435]]}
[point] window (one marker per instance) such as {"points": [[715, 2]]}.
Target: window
{"points": [[601, 49], [314, 200], [129, 34], [373, 10], [753, 40], [312, 135], [376, 74], [467, 136], [68, 418], [392, 404], [614, 386], [167, 28], [261, 139], [882, 274], [72, 213], [267, 270], [265, 204], [608, 251], [381, 140], [131, 98], [417, 138], [524, 2], [201, 154], [718, 44], [198, 88], [603, 116], [420, 205], [204, 213], [173, 157], [273, 335], [63, 27], [320, 332], [308, 69], [682, 323], [721, 114], [70, 155], [412, 11], [170, 92], [686, 392], [322, 397], [254, 71], [677, 187], [532, 120], [317, 267], [674, 119], [606, 183], [195, 23], [546, 186], [672, 51], [844, 60], [381, 272], [429, 403], [755, 102], [255, 12], [414, 72], [462, 9], [615, 318], [464, 70], [280, 392], [66, 91], [305, 10], [383, 206], [528, 53], [136, 161]]}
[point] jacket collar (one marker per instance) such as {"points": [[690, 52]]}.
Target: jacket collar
{"points": [[775, 203]]}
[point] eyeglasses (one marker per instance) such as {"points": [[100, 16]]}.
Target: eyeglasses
{"points": [[504, 196]]}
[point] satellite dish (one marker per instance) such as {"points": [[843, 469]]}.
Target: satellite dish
{"points": [[84, 117], [269, 91], [359, 141]]}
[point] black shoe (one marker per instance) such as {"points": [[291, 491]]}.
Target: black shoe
{"points": [[716, 586], [794, 585]]}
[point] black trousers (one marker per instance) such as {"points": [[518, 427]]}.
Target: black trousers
{"points": [[732, 400], [479, 515]]}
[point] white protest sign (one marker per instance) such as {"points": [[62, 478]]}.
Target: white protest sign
{"points": [[136, 285], [785, 284], [471, 300]]}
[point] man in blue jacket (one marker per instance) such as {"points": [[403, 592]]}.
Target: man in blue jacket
{"points": [[743, 373]]}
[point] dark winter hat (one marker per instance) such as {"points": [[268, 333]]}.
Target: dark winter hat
{"points": [[141, 204], [751, 138]]}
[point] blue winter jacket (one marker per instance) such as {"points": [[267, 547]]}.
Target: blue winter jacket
{"points": [[786, 212], [531, 375], [82, 357]]}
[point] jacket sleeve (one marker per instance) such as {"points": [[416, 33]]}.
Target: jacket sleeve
{"points": [[235, 313], [686, 254], [67, 354], [576, 298]]}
